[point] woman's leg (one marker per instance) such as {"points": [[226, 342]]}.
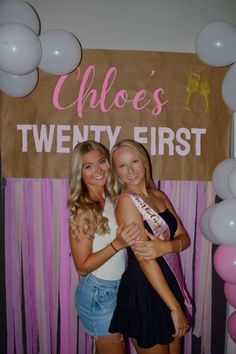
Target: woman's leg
{"points": [[112, 344], [175, 346], [156, 349]]}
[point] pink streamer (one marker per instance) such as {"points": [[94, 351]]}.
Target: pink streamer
{"points": [[44, 344], [188, 206], [203, 304], [28, 250], [200, 207], [26, 279]]}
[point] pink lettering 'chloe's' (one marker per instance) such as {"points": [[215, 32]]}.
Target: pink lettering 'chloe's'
{"points": [[88, 94]]}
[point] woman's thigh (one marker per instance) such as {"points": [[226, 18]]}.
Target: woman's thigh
{"points": [[156, 349], [113, 343]]}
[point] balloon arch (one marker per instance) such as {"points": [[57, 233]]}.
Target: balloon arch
{"points": [[216, 46], [23, 50]]}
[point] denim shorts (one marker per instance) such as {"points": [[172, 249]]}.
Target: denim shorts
{"points": [[95, 302]]}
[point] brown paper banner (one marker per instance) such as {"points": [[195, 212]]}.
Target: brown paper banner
{"points": [[170, 102]]}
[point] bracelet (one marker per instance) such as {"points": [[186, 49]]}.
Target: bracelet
{"points": [[113, 247], [180, 245], [175, 308]]}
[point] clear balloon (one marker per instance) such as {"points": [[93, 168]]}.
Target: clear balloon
{"points": [[225, 263], [61, 52], [222, 222], [230, 293], [215, 44], [220, 178], [19, 12], [18, 86], [204, 224], [232, 182], [20, 49], [229, 88], [231, 326]]}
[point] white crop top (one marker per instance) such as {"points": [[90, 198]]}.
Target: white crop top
{"points": [[115, 266]]}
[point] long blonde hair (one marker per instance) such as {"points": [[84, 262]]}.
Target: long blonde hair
{"points": [[118, 184], [80, 202]]}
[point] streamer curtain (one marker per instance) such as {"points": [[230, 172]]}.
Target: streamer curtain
{"points": [[41, 278]]}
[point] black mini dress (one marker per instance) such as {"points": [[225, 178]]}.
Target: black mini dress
{"points": [[140, 312]]}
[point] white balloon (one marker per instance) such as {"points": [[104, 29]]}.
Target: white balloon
{"points": [[222, 222], [220, 178], [19, 12], [204, 224], [232, 182], [215, 44], [18, 85], [61, 52], [20, 49], [229, 88]]}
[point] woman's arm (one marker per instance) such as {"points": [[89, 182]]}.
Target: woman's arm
{"points": [[81, 247], [127, 211], [158, 247], [181, 233]]}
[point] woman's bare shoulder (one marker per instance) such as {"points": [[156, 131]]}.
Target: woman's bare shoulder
{"points": [[123, 199]]}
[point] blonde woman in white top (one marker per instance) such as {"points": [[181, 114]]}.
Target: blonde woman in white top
{"points": [[97, 245]]}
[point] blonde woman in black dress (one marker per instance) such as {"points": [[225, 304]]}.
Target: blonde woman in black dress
{"points": [[152, 297]]}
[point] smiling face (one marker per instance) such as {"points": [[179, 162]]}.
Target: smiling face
{"points": [[129, 166], [95, 169]]}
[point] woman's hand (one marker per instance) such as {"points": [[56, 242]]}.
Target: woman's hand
{"points": [[127, 235], [153, 248], [180, 322]]}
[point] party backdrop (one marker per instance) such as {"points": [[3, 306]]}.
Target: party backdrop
{"points": [[169, 102]]}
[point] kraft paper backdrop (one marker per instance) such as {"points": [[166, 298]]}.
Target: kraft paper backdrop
{"points": [[125, 93]]}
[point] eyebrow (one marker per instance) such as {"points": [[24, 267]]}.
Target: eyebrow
{"points": [[89, 163]]}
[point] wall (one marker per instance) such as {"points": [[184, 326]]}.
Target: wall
{"points": [[163, 25]]}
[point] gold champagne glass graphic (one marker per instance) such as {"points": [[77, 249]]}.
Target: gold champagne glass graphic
{"points": [[191, 87], [204, 90]]}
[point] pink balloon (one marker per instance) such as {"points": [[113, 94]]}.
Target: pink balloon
{"points": [[230, 293], [225, 263], [231, 326]]}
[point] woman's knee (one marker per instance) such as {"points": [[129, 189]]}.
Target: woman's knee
{"points": [[117, 338]]}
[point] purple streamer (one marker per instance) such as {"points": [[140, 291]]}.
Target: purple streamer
{"points": [[65, 343], [8, 258], [16, 262], [46, 192], [56, 209]]}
